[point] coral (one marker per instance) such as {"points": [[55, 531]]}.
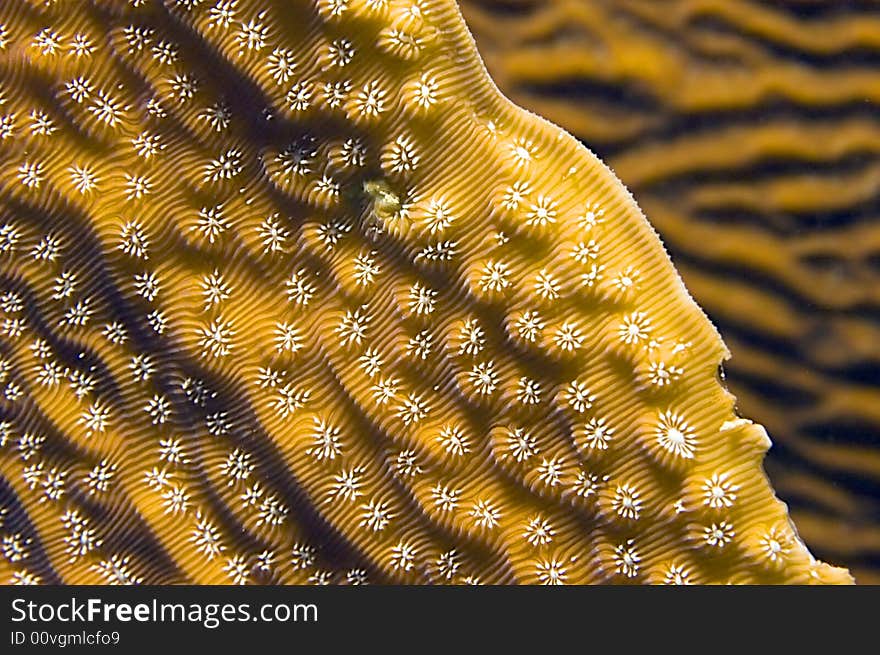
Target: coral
{"points": [[292, 294], [749, 133]]}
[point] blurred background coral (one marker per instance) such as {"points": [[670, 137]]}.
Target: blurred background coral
{"points": [[749, 132]]}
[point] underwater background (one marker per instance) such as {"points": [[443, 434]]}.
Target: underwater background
{"points": [[749, 133]]}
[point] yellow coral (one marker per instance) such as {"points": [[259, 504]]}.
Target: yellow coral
{"points": [[293, 294]]}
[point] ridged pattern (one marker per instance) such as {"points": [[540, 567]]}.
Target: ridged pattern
{"points": [[293, 294], [748, 132]]}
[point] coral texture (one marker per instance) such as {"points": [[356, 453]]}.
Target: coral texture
{"points": [[292, 294], [749, 133]]}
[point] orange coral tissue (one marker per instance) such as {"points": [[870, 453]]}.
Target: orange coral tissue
{"points": [[290, 293]]}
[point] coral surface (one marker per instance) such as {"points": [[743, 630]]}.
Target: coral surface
{"points": [[292, 294]]}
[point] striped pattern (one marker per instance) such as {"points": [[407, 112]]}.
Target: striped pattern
{"points": [[299, 297], [749, 132]]}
